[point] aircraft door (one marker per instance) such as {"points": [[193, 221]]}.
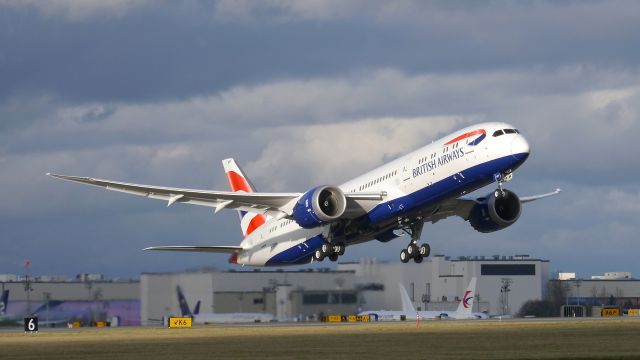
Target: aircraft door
{"points": [[407, 176]]}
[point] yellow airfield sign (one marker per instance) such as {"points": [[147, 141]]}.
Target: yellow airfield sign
{"points": [[180, 322]]}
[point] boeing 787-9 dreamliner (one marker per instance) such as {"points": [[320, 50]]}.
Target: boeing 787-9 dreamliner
{"points": [[426, 185]]}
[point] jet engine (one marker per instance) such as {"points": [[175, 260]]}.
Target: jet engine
{"points": [[319, 206], [495, 211]]}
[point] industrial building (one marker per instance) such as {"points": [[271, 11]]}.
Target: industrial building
{"points": [[611, 289], [288, 295], [504, 284], [75, 300]]}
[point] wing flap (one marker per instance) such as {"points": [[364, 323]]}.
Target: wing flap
{"points": [[207, 249]]}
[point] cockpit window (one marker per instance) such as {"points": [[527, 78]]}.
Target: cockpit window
{"points": [[509, 131], [498, 133], [517, 131]]}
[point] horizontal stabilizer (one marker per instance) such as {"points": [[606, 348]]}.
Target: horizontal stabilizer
{"points": [[209, 249]]}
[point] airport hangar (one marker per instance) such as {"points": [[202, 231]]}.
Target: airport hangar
{"points": [[435, 284], [304, 294]]}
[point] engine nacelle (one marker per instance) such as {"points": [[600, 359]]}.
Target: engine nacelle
{"points": [[495, 213], [319, 206]]}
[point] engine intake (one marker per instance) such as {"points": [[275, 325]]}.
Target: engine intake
{"points": [[319, 206], [494, 213]]}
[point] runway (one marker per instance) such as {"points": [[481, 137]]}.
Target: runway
{"points": [[491, 339]]}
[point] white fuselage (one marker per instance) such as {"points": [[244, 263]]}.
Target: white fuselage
{"points": [[228, 318], [422, 315], [418, 180]]}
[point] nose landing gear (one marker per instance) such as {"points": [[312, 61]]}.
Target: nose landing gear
{"points": [[501, 179]]}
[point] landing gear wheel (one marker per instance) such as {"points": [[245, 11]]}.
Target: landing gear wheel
{"points": [[412, 249], [326, 249], [318, 255], [425, 250], [404, 256], [417, 258], [339, 249], [333, 257]]}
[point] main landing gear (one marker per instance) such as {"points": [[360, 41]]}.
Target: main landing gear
{"points": [[413, 251], [332, 251]]}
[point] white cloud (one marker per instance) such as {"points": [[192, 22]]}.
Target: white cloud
{"points": [[289, 10], [78, 9], [298, 157]]}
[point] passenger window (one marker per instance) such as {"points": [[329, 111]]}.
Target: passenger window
{"points": [[509, 131], [498, 133]]}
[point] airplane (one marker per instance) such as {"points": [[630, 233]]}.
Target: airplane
{"points": [[15, 319], [464, 310], [426, 185], [212, 318]]}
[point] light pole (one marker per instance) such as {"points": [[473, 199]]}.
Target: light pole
{"points": [[505, 288], [47, 298], [28, 289]]}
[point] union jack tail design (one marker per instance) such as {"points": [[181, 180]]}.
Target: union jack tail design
{"points": [[238, 182]]}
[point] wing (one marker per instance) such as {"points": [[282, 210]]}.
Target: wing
{"points": [[208, 249], [462, 206], [527, 199], [277, 205]]}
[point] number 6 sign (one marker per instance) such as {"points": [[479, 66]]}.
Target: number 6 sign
{"points": [[31, 324]]}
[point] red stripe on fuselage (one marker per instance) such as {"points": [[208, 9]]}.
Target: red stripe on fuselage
{"points": [[255, 223], [464, 136]]}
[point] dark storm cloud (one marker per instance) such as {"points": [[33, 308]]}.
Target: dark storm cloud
{"points": [[161, 92], [176, 51]]}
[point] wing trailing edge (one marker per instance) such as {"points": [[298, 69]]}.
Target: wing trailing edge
{"points": [[207, 249]]}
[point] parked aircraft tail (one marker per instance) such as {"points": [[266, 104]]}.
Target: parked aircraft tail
{"points": [[182, 301], [407, 305], [4, 302], [196, 310], [466, 304]]}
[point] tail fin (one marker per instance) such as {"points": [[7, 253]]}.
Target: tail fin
{"points": [[407, 305], [184, 307], [466, 304], [196, 310], [4, 302], [238, 182]]}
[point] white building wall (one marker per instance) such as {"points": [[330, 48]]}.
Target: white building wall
{"points": [[447, 279], [158, 296]]}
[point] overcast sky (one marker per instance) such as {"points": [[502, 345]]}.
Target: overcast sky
{"points": [[301, 94]]}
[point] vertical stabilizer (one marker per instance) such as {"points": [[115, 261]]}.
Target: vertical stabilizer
{"points": [[196, 310], [238, 182], [4, 302], [182, 301], [407, 305], [468, 298]]}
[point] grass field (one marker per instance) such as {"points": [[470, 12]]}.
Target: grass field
{"points": [[514, 339]]}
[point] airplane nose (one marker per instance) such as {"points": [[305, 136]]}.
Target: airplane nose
{"points": [[519, 148]]}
